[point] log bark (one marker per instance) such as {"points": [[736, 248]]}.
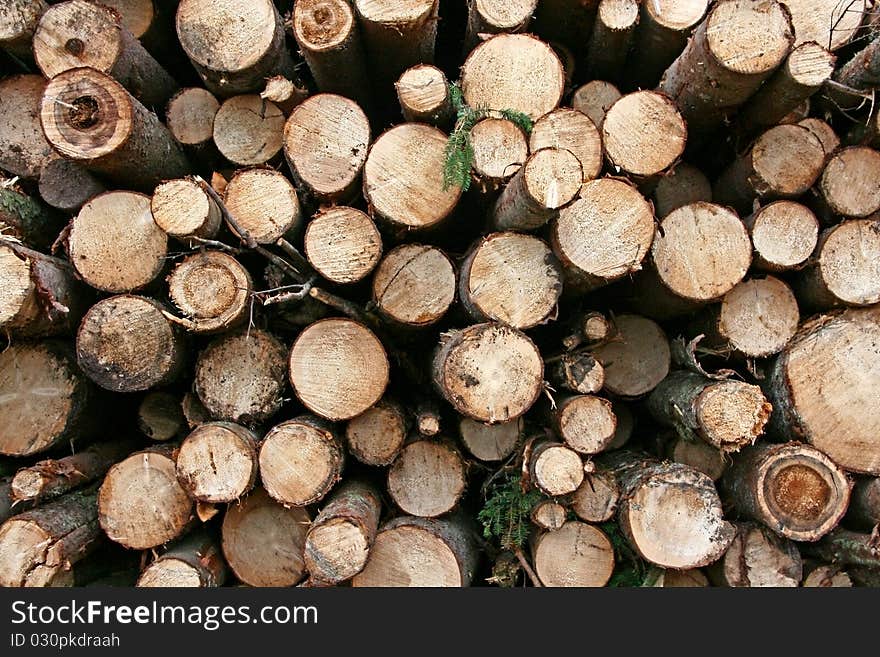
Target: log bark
{"points": [[326, 141], [596, 499], [784, 235], [554, 468], [190, 119], [217, 462], [18, 21], [39, 545], [412, 551], [126, 344], [734, 49], [784, 162], [23, 146], [212, 290], [183, 209], [67, 185], [377, 435], [427, 478], [488, 17], [489, 372], [426, 413], [577, 372], [864, 505], [330, 41], [490, 442], [594, 98], [233, 47], [264, 204], [491, 75], [549, 180], [301, 460], [511, 278], [342, 244], [500, 149], [89, 117], [423, 94], [249, 130], [342, 534], [585, 422], [856, 552], [682, 185], [78, 33], [638, 360], [247, 395], [578, 555], [850, 184], [794, 489], [403, 178], [194, 411], [141, 505], [548, 515], [160, 416], [861, 73], [51, 478], [699, 455], [263, 541], [727, 414], [286, 94], [758, 558], [195, 561], [574, 131], [37, 422], [414, 285], [590, 329], [669, 513], [611, 39], [604, 234], [25, 218], [823, 387]]}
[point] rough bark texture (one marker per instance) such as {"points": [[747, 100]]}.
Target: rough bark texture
{"points": [[25, 218], [864, 504], [67, 185], [758, 558], [217, 462], [613, 32], [18, 20], [23, 147]]}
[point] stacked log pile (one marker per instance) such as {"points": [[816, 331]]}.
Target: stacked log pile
{"points": [[382, 293]]}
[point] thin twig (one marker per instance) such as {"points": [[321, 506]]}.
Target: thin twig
{"points": [[220, 246], [284, 297], [293, 253], [24, 251], [245, 236], [278, 261], [526, 566], [344, 306]]}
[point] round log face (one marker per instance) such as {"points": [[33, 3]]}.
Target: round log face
{"points": [[500, 148], [578, 554], [573, 131], [217, 462], [426, 479], [414, 284], [587, 423], [784, 234], [422, 89], [377, 435], [759, 316], [490, 442], [77, 34], [409, 556], [764, 31], [339, 546], [849, 262], [264, 203], [343, 244], [190, 115], [638, 360], [212, 290], [850, 183], [322, 25], [181, 208], [165, 573], [249, 130]]}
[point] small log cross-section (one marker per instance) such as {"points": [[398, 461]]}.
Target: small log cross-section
{"points": [[342, 244], [574, 131], [423, 93], [490, 442], [487, 17], [577, 554], [264, 204], [700, 455], [596, 499], [217, 462], [577, 371], [792, 488], [758, 558], [193, 562], [183, 209], [263, 541], [637, 360], [784, 235], [850, 183], [681, 185], [489, 372], [548, 514], [500, 149], [594, 98], [249, 130], [377, 435], [427, 478], [586, 423], [414, 285], [554, 469], [190, 118], [160, 415]]}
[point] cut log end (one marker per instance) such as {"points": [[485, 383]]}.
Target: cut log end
{"points": [[758, 317], [377, 435], [343, 244], [424, 95], [490, 442], [555, 469], [758, 558], [190, 116], [578, 554], [574, 131], [847, 270], [638, 360], [732, 413], [414, 285], [500, 149], [764, 36], [850, 184], [594, 99], [182, 208], [264, 203], [249, 130], [322, 25], [212, 290], [426, 479], [218, 462], [827, 577], [586, 423], [701, 456], [682, 185], [597, 498], [784, 235], [548, 515]]}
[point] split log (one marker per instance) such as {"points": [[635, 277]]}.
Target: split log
{"points": [[586, 423], [325, 143], [490, 442], [784, 162], [828, 23], [35, 420], [824, 388], [578, 554], [803, 73], [338, 368], [329, 39], [578, 372], [18, 21], [492, 75], [661, 36], [682, 185], [734, 49], [141, 505], [90, 118], [212, 290], [342, 244], [669, 513], [594, 98], [263, 541], [596, 499], [699, 455], [510, 278], [427, 478], [39, 545], [549, 180], [824, 133], [126, 344], [26, 219], [247, 395], [611, 38], [864, 504], [217, 462], [792, 488], [183, 209], [548, 515], [67, 185], [411, 551], [554, 468], [604, 234], [190, 119], [340, 538], [758, 558], [403, 178], [637, 360], [377, 435], [194, 562], [300, 461], [23, 146], [233, 47], [78, 33], [264, 204], [53, 477], [423, 93], [249, 130], [160, 416], [827, 576], [500, 149], [414, 285], [784, 235], [489, 372], [850, 184], [727, 414], [488, 17], [668, 578], [574, 131], [397, 36]]}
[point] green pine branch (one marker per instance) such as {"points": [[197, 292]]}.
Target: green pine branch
{"points": [[506, 513]]}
